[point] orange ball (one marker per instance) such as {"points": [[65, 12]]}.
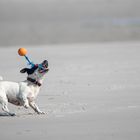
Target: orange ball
{"points": [[22, 51]]}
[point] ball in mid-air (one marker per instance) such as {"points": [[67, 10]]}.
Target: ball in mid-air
{"points": [[22, 51]]}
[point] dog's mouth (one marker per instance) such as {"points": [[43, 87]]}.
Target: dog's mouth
{"points": [[43, 67]]}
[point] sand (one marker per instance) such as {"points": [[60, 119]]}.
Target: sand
{"points": [[91, 92]]}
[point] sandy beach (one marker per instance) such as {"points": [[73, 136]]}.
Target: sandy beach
{"points": [[91, 92]]}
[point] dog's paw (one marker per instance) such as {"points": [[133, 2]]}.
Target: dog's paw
{"points": [[26, 106], [12, 114]]}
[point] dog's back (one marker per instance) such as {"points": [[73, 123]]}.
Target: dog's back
{"points": [[9, 87]]}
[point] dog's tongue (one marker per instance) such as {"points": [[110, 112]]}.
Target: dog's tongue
{"points": [[44, 70]]}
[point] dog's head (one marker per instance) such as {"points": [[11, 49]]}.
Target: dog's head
{"points": [[37, 71]]}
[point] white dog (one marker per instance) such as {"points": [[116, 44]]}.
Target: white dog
{"points": [[24, 93]]}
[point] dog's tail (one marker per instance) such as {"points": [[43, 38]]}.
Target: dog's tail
{"points": [[1, 78]]}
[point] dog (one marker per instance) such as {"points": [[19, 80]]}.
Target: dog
{"points": [[24, 93]]}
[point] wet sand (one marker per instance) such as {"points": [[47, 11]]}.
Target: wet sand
{"points": [[91, 92]]}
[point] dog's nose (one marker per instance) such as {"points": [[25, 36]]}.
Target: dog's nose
{"points": [[45, 63]]}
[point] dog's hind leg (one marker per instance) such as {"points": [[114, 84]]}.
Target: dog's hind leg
{"points": [[5, 108]]}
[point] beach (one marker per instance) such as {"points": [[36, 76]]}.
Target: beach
{"points": [[92, 89], [91, 92]]}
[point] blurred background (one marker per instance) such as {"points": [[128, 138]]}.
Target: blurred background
{"points": [[39, 22]]}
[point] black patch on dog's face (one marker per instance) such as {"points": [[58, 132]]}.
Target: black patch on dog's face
{"points": [[32, 70]]}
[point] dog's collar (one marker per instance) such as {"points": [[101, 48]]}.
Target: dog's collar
{"points": [[34, 81]]}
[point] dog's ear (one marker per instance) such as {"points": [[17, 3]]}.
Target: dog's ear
{"points": [[24, 70], [29, 71]]}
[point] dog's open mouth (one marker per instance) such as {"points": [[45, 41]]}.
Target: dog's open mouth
{"points": [[43, 69]]}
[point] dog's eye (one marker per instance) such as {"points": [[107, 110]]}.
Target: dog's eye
{"points": [[41, 70]]}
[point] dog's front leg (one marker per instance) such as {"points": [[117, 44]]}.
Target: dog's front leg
{"points": [[23, 93], [35, 108], [24, 101]]}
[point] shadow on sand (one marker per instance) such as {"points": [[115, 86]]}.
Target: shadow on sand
{"points": [[3, 115], [6, 115]]}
